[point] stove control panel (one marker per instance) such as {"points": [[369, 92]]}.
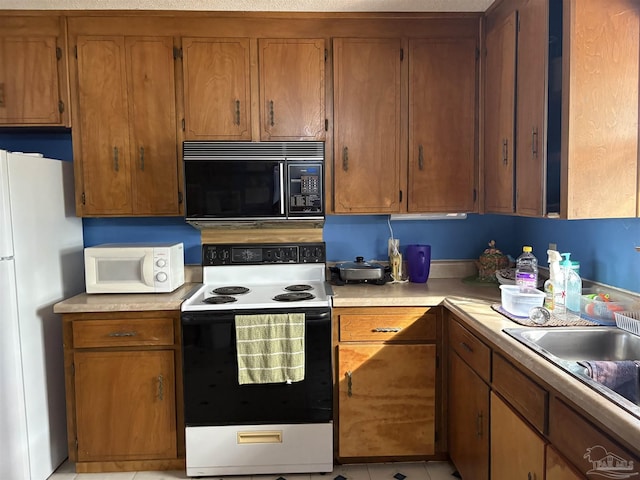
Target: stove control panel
{"points": [[260, 254]]}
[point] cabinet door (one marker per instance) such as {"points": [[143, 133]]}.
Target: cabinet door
{"points": [[125, 405], [516, 450], [386, 400], [217, 99], [557, 468], [468, 420], [152, 116], [499, 114], [442, 126], [104, 126], [292, 89], [531, 144], [29, 91], [367, 153]]}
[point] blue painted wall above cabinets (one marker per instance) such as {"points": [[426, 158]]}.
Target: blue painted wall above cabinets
{"points": [[605, 248]]}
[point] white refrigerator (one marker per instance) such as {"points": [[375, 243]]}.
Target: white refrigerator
{"points": [[41, 263]]}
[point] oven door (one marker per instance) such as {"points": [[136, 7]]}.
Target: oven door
{"points": [[212, 394]]}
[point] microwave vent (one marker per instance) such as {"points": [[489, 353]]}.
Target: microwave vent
{"points": [[227, 150]]}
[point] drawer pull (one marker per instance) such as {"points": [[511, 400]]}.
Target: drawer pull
{"points": [[349, 383], [387, 329], [160, 387], [259, 437], [466, 347], [123, 334], [236, 120]]}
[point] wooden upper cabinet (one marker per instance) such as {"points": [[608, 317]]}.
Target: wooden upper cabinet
{"points": [[442, 125], [217, 88], [33, 79], [367, 120], [292, 90], [152, 118], [104, 127], [126, 150], [531, 136], [499, 121]]}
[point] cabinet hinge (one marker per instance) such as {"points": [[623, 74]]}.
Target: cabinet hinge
{"points": [[58, 53], [60, 106], [326, 124], [401, 54], [179, 197], [177, 52], [83, 198], [326, 54], [75, 51]]}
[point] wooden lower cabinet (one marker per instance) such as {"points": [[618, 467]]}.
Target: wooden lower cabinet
{"points": [[387, 382], [558, 469], [123, 406], [517, 451], [468, 417]]}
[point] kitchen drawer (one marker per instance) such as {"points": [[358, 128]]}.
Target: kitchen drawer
{"points": [[526, 396], [471, 350], [123, 333], [585, 446], [397, 324]]}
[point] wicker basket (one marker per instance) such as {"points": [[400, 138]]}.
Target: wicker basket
{"points": [[629, 321]]}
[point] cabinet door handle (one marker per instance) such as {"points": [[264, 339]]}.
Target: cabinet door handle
{"points": [[2, 102], [349, 383], [142, 158], [420, 157], [123, 334], [160, 387], [116, 162], [387, 329], [505, 151], [479, 424], [271, 114], [534, 141], [345, 159], [237, 119], [466, 347]]}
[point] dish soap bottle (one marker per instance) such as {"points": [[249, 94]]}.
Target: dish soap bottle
{"points": [[554, 285], [526, 269], [573, 285]]}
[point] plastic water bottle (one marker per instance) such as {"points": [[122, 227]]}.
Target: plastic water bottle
{"points": [[527, 269]]}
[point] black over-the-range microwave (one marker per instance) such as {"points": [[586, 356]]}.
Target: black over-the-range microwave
{"points": [[253, 181]]}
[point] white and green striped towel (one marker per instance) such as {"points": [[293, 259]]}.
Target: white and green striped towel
{"points": [[270, 348]]}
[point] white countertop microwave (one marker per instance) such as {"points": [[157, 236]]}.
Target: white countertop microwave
{"points": [[134, 267]]}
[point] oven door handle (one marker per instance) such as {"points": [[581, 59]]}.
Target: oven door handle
{"points": [[201, 318]]}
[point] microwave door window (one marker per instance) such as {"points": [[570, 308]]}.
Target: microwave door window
{"points": [[233, 189], [128, 270]]}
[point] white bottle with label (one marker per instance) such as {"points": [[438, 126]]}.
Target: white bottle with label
{"points": [[527, 269]]}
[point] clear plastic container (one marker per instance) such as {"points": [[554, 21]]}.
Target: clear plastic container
{"points": [[519, 303], [527, 269]]}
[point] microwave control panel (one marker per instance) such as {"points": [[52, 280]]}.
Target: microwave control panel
{"points": [[306, 192]]}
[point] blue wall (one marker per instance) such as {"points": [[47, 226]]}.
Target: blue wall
{"points": [[605, 248]]}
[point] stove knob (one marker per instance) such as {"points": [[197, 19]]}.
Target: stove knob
{"points": [[161, 277]]}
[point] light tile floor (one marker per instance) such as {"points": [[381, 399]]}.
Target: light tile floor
{"points": [[369, 471]]}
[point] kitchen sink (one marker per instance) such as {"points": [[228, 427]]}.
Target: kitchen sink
{"points": [[567, 346]]}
